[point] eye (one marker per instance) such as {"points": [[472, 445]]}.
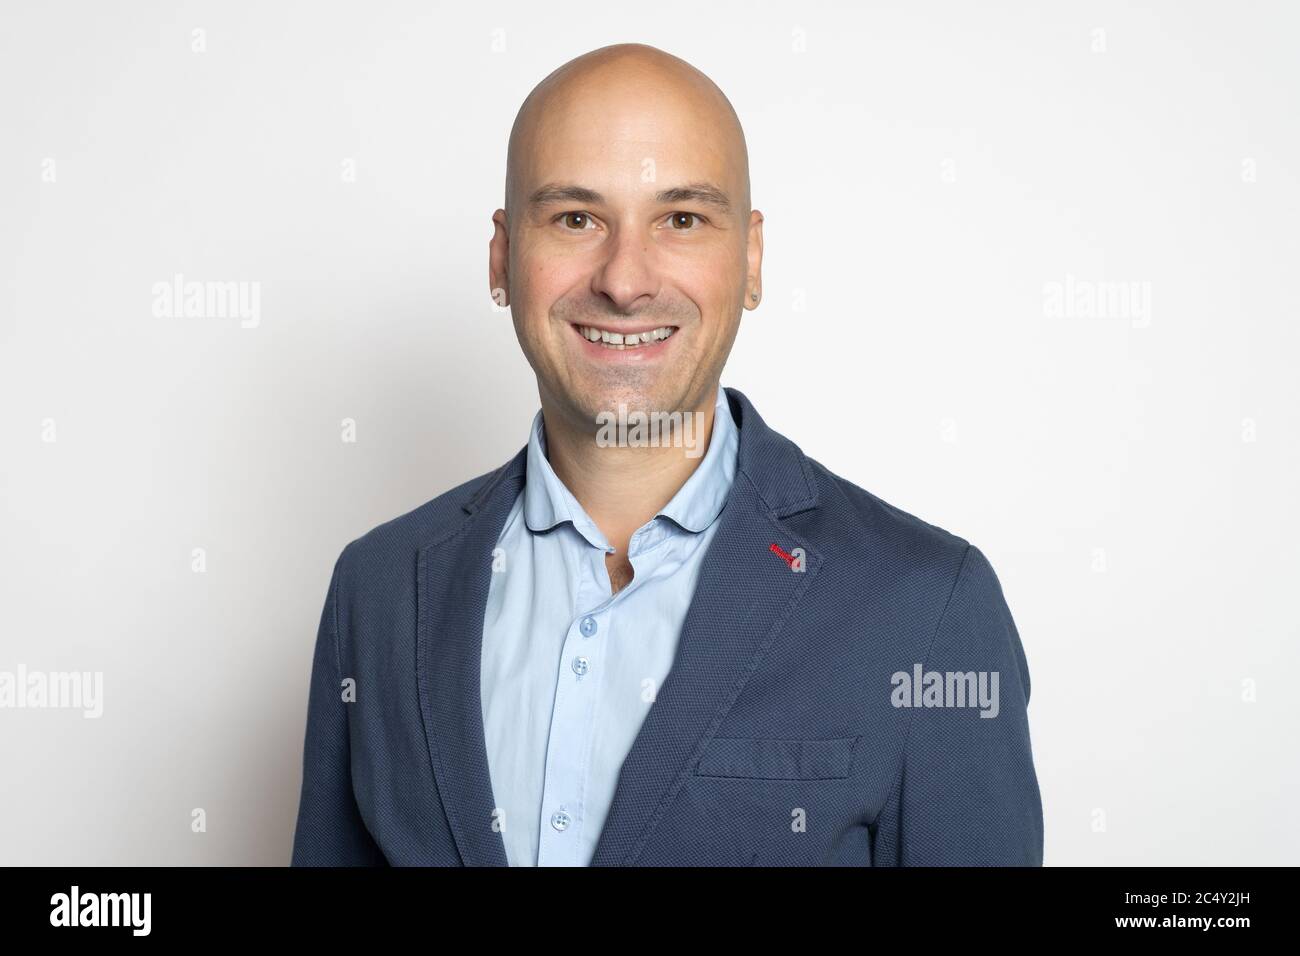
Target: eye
{"points": [[575, 221], [691, 218]]}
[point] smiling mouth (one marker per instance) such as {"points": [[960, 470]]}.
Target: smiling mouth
{"points": [[624, 341]]}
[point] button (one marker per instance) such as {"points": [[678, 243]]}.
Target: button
{"points": [[581, 665], [588, 626], [560, 820]]}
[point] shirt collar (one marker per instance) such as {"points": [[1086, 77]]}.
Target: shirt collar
{"points": [[699, 501], [697, 504]]}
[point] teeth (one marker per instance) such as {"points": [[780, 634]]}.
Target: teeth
{"points": [[632, 340]]}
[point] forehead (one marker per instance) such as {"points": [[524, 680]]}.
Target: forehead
{"points": [[626, 142]]}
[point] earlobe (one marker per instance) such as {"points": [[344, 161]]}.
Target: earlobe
{"points": [[497, 285], [498, 257]]}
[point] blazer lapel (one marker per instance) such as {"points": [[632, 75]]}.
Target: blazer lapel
{"points": [[745, 593], [453, 577]]}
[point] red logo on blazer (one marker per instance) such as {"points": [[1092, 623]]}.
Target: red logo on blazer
{"points": [[785, 556]]}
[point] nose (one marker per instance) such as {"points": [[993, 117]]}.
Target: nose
{"points": [[627, 273]]}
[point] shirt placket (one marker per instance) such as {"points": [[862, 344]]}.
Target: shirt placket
{"points": [[568, 746]]}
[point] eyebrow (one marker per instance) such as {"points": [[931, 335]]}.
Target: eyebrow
{"points": [[700, 192]]}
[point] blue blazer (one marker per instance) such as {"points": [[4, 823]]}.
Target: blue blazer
{"points": [[779, 737]]}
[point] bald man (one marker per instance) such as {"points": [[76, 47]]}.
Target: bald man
{"points": [[660, 634]]}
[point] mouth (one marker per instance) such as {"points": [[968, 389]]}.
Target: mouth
{"points": [[628, 341]]}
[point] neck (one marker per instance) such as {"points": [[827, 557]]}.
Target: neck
{"points": [[621, 488]]}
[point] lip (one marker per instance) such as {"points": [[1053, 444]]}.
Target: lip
{"points": [[643, 353]]}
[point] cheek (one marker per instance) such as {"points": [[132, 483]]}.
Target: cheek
{"points": [[711, 280], [713, 301], [546, 283]]}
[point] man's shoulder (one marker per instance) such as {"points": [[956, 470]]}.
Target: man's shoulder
{"points": [[855, 527], [892, 559], [859, 513], [387, 543]]}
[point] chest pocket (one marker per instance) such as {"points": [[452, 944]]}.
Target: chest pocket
{"points": [[767, 758]]}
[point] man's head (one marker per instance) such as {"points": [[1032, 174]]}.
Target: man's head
{"points": [[627, 210]]}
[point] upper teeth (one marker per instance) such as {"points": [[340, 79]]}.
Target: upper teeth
{"points": [[629, 340]]}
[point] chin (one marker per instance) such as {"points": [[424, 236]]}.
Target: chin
{"points": [[661, 398], [636, 392]]}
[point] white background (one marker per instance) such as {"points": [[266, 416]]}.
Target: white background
{"points": [[926, 170]]}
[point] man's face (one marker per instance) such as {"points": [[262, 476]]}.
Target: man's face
{"points": [[629, 222]]}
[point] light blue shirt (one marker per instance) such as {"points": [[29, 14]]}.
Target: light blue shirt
{"points": [[569, 672]]}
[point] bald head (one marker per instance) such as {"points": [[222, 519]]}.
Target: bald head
{"points": [[627, 214], [633, 94]]}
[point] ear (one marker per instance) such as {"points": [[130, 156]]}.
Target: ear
{"points": [[754, 264], [499, 260]]}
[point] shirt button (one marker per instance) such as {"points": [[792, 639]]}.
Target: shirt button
{"points": [[581, 665], [560, 820], [588, 626]]}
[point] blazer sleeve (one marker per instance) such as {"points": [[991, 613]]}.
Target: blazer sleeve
{"points": [[330, 830], [966, 793]]}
